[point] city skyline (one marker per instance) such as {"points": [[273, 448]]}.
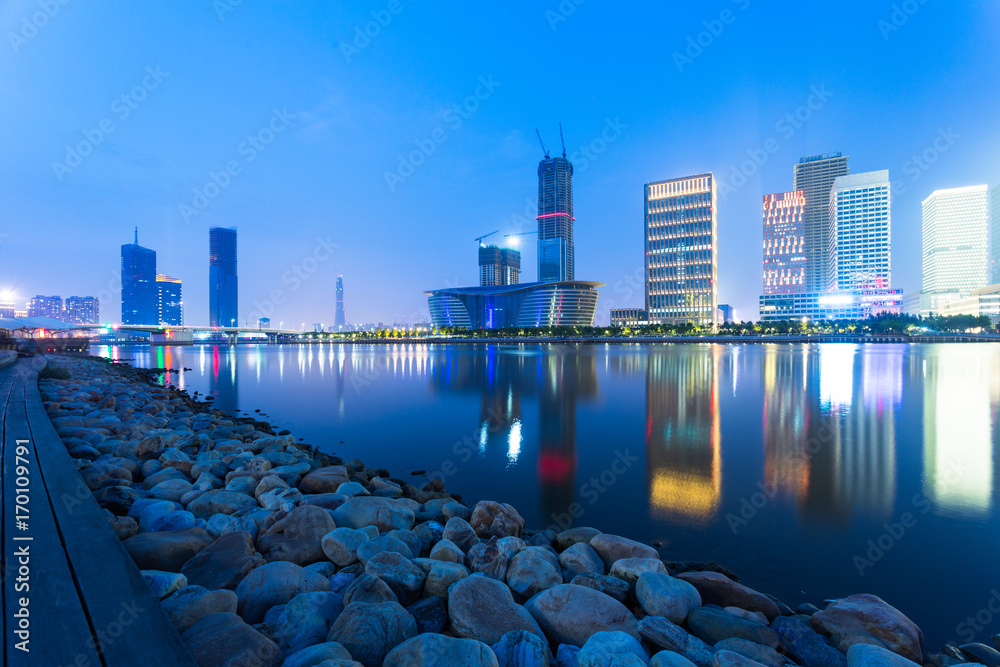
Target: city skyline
{"points": [[745, 119]]}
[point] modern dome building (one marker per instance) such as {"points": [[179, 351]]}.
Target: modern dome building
{"points": [[566, 303]]}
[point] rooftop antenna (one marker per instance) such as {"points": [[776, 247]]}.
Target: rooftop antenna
{"points": [[561, 139], [544, 150], [137, 235]]}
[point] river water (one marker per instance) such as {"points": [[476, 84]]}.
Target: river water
{"points": [[813, 471]]}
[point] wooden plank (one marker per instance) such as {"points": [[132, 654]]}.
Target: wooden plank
{"points": [[38, 572], [126, 617]]}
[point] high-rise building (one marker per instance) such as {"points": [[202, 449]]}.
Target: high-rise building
{"points": [[222, 283], [83, 310], [785, 258], [139, 298], [555, 219], [682, 251], [815, 176], [7, 307], [340, 317], [46, 306], [169, 305], [499, 266], [860, 236], [995, 236], [955, 245]]}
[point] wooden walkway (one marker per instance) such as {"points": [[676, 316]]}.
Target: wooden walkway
{"points": [[71, 594]]}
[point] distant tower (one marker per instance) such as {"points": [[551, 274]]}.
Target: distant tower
{"points": [[222, 282], [956, 242], [169, 303], [499, 266], [340, 319], [815, 176], [139, 305], [555, 218]]}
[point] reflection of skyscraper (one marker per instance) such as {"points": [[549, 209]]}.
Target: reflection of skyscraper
{"points": [[959, 392], [786, 420], [138, 284], [340, 318], [555, 219], [683, 438], [223, 290]]}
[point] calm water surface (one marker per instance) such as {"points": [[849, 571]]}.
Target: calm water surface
{"points": [[813, 471]]}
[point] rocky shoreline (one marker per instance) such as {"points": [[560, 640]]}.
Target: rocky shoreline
{"points": [[264, 551]]}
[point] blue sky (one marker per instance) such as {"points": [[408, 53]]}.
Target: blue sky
{"points": [[286, 124]]}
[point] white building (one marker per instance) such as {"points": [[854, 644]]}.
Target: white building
{"points": [[995, 235], [860, 232], [955, 244]]}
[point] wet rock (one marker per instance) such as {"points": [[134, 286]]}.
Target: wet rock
{"points": [[373, 547], [870, 655], [297, 537], [718, 589], [435, 649], [484, 609], [580, 559], [368, 588], [440, 575], [166, 550], [341, 545], [431, 614], [163, 584], [659, 594], [570, 614], [493, 519], [532, 571], [616, 588], [317, 654], [445, 550], [459, 532], [803, 643], [713, 625], [614, 547], [867, 619], [571, 536], [219, 501], [383, 513], [662, 634], [225, 639], [306, 620], [404, 578], [190, 604], [273, 584], [324, 480], [764, 655], [370, 631], [520, 648]]}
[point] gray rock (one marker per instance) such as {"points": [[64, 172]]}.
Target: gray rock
{"points": [[190, 604], [273, 584], [764, 655], [612, 649], [440, 575], [306, 620], [867, 619], [571, 536], [662, 634], [803, 643], [484, 609], [616, 588], [730, 659], [580, 559], [439, 650], [368, 588], [383, 513], [316, 655], [493, 519], [179, 520], [225, 639], [351, 489], [460, 533], [431, 614], [716, 588], [224, 563], [446, 550], [385, 543], [404, 578], [520, 648], [869, 655], [341, 545], [987, 655], [614, 547], [570, 614], [659, 594], [220, 501], [166, 550], [489, 559], [713, 625], [668, 659], [532, 571], [296, 537], [566, 655], [629, 569], [370, 631], [163, 584]]}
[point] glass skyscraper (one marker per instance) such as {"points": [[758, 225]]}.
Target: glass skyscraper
{"points": [[785, 259], [555, 219], [139, 298], [815, 176], [860, 237], [169, 304], [955, 242], [340, 317], [222, 282], [681, 231]]}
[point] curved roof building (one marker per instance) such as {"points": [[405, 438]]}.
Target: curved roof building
{"points": [[552, 304]]}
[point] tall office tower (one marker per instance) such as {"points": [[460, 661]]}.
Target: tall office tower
{"points": [[499, 266], [860, 232], [222, 282], [340, 317], [815, 176], [139, 303], [169, 305], [995, 236], [555, 219], [46, 306], [785, 259], [681, 251], [83, 309], [955, 244]]}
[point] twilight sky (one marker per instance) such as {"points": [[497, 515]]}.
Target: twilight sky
{"points": [[384, 157]]}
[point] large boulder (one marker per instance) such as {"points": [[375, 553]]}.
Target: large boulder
{"points": [[614, 547], [225, 639], [662, 634], [306, 620], [166, 550], [370, 631], [341, 545], [220, 501], [273, 584], [493, 519], [483, 608], [384, 513], [441, 651], [224, 563], [803, 643], [404, 578], [459, 532], [570, 614], [580, 558], [296, 537], [368, 588], [718, 589], [867, 619], [712, 625], [607, 649], [532, 571], [193, 603], [662, 595], [324, 480]]}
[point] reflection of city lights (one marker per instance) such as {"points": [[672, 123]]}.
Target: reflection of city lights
{"points": [[514, 442], [484, 431], [836, 380]]}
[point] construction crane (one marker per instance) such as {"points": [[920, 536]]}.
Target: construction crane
{"points": [[479, 239], [563, 141], [521, 234], [544, 150]]}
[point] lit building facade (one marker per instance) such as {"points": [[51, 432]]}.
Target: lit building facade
{"points": [[815, 176], [681, 229], [629, 317], [566, 303], [955, 243], [139, 295], [984, 301], [46, 306], [223, 292], [860, 232], [169, 305], [83, 310], [555, 220], [499, 266], [340, 317], [785, 258]]}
